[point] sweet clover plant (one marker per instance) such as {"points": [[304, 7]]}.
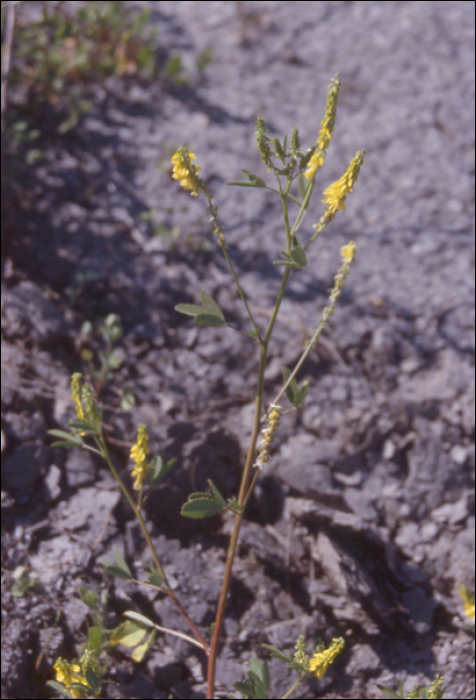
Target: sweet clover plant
{"points": [[293, 174]]}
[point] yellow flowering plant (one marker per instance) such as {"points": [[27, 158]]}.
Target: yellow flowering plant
{"points": [[294, 174]]}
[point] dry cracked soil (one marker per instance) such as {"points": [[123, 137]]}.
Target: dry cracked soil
{"points": [[362, 524]]}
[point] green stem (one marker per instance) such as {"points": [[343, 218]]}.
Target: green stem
{"points": [[239, 287], [325, 219], [246, 487], [328, 311], [220, 614], [130, 500], [222, 243], [304, 207], [291, 690]]}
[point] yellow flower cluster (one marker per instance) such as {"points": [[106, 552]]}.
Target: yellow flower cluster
{"points": [[317, 159], [327, 124], [269, 433], [186, 172], [347, 252], [335, 194], [321, 661], [139, 453], [468, 599], [325, 132], [75, 673], [76, 396]]}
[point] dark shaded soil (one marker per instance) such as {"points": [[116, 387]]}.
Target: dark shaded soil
{"points": [[363, 522]]}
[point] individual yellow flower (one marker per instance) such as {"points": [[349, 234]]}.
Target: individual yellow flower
{"points": [[321, 661], [69, 674], [139, 453], [348, 251], [317, 159], [335, 194], [468, 599], [186, 172]]}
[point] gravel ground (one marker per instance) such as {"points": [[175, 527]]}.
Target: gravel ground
{"points": [[363, 522]]}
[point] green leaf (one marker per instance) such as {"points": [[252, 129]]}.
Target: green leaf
{"points": [[128, 399], [294, 199], [253, 334], [245, 688], [113, 360], [234, 505], [216, 493], [94, 681], [155, 579], [64, 443], [116, 571], [160, 470], [189, 309], [140, 651], [137, 617], [254, 179], [261, 669], [120, 569], [302, 394], [210, 305], [60, 688], [95, 639], [209, 314], [303, 184], [204, 58], [296, 395], [389, 693], [202, 507], [292, 389], [241, 183], [299, 256], [82, 426], [129, 633], [277, 653], [260, 690], [207, 319], [67, 437], [89, 598]]}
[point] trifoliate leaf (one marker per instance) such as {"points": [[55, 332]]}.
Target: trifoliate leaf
{"points": [[209, 314], [299, 256], [129, 633], [155, 579], [159, 470], [120, 569]]}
